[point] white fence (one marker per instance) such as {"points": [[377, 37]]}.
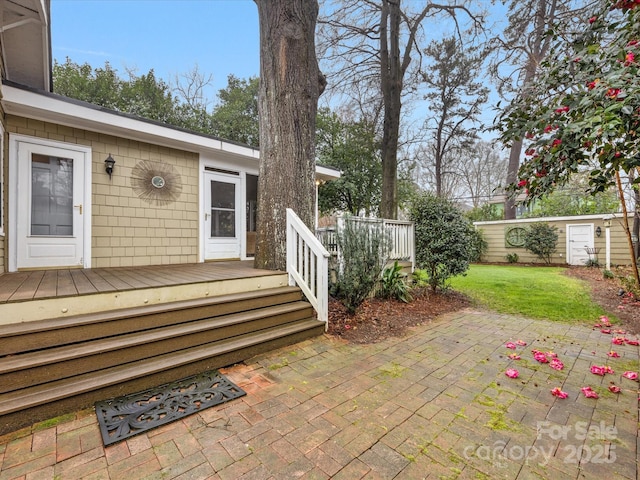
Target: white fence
{"points": [[400, 233], [308, 265]]}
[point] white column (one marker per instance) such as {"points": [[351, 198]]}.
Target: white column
{"points": [[607, 238]]}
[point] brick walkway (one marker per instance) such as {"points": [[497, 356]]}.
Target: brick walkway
{"points": [[434, 404]]}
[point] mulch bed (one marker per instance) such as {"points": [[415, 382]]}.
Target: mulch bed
{"points": [[378, 319]]}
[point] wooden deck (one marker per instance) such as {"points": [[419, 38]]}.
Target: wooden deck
{"points": [[46, 284]]}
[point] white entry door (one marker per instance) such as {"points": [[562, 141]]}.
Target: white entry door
{"points": [[50, 212], [222, 216], [579, 239]]}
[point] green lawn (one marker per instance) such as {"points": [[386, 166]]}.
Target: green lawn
{"points": [[535, 292]]}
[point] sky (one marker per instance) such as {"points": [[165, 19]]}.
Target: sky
{"points": [[168, 36]]}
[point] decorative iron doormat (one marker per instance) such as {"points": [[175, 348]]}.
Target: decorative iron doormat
{"points": [[126, 416]]}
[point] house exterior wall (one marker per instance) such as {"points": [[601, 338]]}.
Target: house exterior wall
{"points": [[127, 230], [494, 234]]}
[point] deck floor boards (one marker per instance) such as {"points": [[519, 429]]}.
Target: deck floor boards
{"points": [[40, 284]]}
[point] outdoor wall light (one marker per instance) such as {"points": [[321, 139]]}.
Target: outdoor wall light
{"points": [[598, 231], [108, 165]]}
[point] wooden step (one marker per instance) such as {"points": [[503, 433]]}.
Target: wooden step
{"points": [[28, 336], [23, 407], [37, 367]]}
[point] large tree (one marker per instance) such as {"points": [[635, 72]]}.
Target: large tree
{"points": [[290, 84], [371, 45], [455, 99], [350, 146]]}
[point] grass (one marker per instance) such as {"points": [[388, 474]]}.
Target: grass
{"points": [[535, 292]]}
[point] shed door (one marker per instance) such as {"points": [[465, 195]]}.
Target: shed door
{"points": [[50, 222], [223, 208], [579, 239]]}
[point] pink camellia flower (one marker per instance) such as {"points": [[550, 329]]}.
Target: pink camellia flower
{"points": [[548, 128], [556, 364], [618, 340], [540, 357], [512, 373], [557, 392], [593, 19], [522, 183], [514, 356], [613, 354], [632, 342], [608, 369], [592, 85], [510, 345], [589, 393], [630, 375], [605, 330], [551, 354], [614, 388], [629, 59], [556, 142], [598, 370], [604, 319], [632, 43], [620, 332], [521, 343], [564, 108], [613, 93]]}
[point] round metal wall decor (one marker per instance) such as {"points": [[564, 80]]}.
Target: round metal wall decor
{"points": [[155, 182], [514, 236]]}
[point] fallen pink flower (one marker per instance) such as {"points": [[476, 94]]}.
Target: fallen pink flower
{"points": [[614, 388], [514, 356], [632, 342], [598, 370], [618, 340], [540, 357], [512, 373], [556, 364], [608, 369], [521, 343], [551, 354], [347, 327], [604, 319], [621, 332], [588, 392], [630, 375], [556, 392], [613, 354], [597, 325], [510, 345], [605, 330]]}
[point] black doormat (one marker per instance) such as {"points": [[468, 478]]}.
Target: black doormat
{"points": [[124, 417]]}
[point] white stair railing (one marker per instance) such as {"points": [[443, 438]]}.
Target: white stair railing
{"points": [[308, 265]]}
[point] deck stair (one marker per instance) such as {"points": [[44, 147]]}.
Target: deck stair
{"points": [[53, 366]]}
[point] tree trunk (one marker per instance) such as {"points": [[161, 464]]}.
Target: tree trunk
{"points": [[290, 84], [391, 86], [512, 177]]}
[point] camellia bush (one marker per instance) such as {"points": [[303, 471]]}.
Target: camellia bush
{"points": [[582, 114], [541, 239], [445, 240]]}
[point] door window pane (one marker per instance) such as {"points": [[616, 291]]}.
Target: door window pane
{"points": [[51, 195], [223, 209]]}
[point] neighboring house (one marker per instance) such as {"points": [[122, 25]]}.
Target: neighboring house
{"points": [[173, 196]]}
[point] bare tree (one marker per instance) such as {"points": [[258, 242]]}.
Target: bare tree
{"points": [[481, 172], [371, 42], [290, 84]]}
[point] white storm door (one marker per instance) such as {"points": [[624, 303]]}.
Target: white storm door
{"points": [[222, 214], [50, 212], [579, 238]]}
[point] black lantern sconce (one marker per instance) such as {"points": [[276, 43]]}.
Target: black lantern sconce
{"points": [[108, 165], [598, 231]]}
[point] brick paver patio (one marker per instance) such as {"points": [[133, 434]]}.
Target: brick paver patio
{"points": [[433, 404]]}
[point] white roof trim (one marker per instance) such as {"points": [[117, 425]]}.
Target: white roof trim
{"points": [[75, 114], [552, 219]]}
